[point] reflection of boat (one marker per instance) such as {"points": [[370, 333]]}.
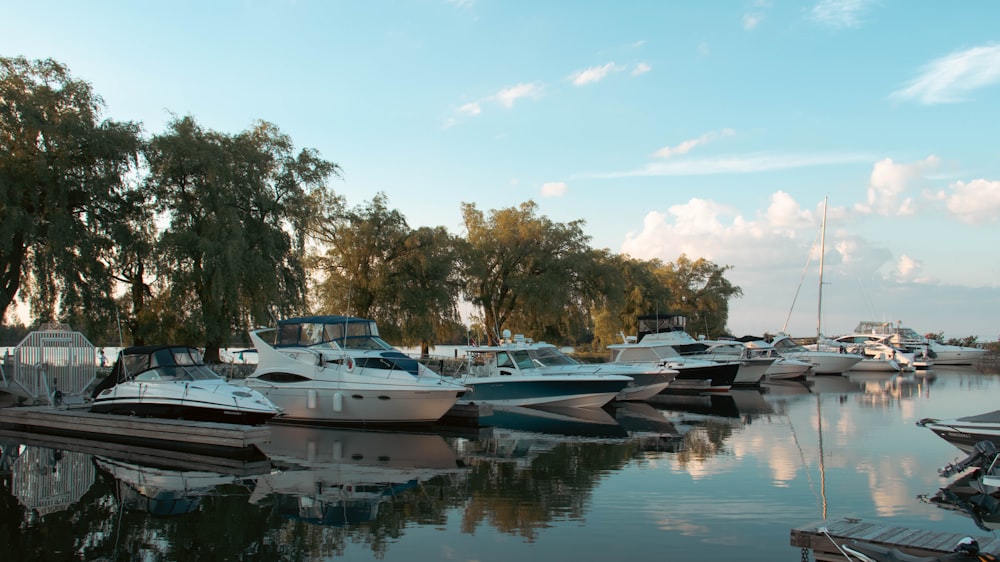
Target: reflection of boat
{"points": [[659, 344], [966, 497], [520, 372], [336, 369], [161, 491], [583, 422], [965, 432], [649, 426], [165, 381], [338, 476]]}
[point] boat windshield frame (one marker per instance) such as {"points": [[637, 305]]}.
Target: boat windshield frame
{"points": [[349, 334]]}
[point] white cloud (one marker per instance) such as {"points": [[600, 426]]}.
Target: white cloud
{"points": [[949, 78], [908, 269], [471, 108], [686, 146], [554, 189], [751, 21], [737, 164], [507, 96], [840, 13], [594, 74], [461, 3], [889, 183], [976, 202], [641, 68]]}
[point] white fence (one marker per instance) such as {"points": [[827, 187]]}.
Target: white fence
{"points": [[49, 366]]}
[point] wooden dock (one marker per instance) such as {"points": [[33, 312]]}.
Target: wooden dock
{"points": [[824, 537], [211, 438]]}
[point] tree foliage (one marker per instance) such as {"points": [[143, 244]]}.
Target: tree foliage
{"points": [[238, 208], [525, 268], [63, 177], [377, 267]]}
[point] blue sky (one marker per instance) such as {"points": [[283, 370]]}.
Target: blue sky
{"points": [[713, 129]]}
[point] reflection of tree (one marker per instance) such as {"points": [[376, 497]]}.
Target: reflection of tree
{"points": [[704, 441], [557, 485]]}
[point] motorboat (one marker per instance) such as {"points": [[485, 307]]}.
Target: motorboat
{"points": [[173, 381], [336, 369], [966, 432], [823, 362], [522, 372], [783, 368], [754, 362], [907, 338], [879, 347], [656, 346]]}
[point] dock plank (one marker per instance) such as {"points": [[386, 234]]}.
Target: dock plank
{"points": [[910, 540], [76, 421]]}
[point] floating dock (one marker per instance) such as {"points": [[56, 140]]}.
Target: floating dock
{"points": [[824, 538], [207, 437]]}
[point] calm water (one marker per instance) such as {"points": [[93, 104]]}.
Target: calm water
{"points": [[689, 478]]}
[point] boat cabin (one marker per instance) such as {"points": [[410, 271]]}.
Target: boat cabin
{"points": [[334, 332]]}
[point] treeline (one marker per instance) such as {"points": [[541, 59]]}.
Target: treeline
{"points": [[194, 236]]}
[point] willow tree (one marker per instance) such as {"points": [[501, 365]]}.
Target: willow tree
{"points": [[639, 291], [238, 209], [522, 266], [63, 186], [700, 291], [375, 266]]}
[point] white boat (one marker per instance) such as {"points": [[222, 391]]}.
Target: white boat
{"points": [[754, 362], [520, 372], [966, 432], [336, 369], [165, 381], [783, 368], [823, 362], [940, 354], [658, 344]]}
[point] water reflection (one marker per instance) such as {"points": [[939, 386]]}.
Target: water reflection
{"points": [[731, 472]]}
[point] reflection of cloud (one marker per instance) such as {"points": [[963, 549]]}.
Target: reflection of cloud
{"points": [[949, 78]]}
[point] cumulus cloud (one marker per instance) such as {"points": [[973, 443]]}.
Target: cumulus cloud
{"points": [[594, 74], [554, 189], [949, 78], [976, 202], [471, 108], [840, 13], [889, 184], [686, 146]]}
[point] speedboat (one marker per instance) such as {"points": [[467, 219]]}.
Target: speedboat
{"points": [[656, 346], [521, 372], [336, 369], [940, 353], [966, 432], [823, 362], [783, 368], [170, 381]]}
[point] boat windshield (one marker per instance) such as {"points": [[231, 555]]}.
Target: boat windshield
{"points": [[549, 357], [169, 364], [786, 345], [353, 334]]}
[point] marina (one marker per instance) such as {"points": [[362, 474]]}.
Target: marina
{"points": [[751, 474]]}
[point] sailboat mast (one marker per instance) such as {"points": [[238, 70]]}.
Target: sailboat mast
{"points": [[822, 253]]}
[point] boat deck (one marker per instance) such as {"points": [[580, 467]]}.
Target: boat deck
{"points": [[919, 542]]}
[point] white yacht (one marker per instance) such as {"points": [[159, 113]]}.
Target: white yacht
{"points": [[940, 354], [521, 372], [823, 362], [336, 369]]}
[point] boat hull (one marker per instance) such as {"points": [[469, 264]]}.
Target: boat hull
{"points": [[563, 391], [179, 411], [965, 432], [334, 403], [209, 401]]}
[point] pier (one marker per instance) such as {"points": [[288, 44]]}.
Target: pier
{"points": [[824, 537]]}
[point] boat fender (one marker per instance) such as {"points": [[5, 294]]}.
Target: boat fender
{"points": [[311, 399], [349, 363], [338, 402]]}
